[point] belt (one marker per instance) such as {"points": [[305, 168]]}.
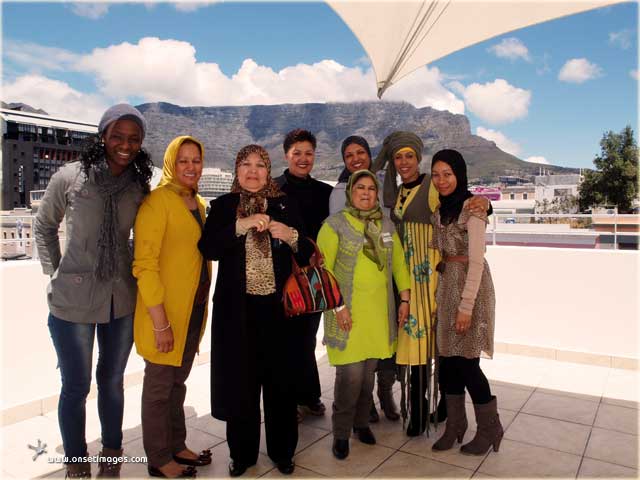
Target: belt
{"points": [[457, 259], [451, 259]]}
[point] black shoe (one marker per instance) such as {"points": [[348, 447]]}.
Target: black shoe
{"points": [[287, 467], [373, 414], [236, 468], [365, 435], [317, 408], [340, 449], [188, 472], [204, 458]]}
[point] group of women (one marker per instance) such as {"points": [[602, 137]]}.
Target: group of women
{"points": [[383, 254]]}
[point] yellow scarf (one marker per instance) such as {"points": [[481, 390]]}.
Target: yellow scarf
{"points": [[169, 167]]}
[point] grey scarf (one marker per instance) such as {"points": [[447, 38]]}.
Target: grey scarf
{"points": [[111, 189]]}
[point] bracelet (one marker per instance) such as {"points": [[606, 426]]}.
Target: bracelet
{"points": [[339, 308], [405, 301], [162, 329]]}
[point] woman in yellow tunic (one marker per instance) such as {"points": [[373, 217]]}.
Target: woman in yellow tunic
{"points": [[412, 204], [363, 251], [171, 311]]}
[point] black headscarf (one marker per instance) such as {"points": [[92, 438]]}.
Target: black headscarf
{"points": [[345, 174], [451, 205]]}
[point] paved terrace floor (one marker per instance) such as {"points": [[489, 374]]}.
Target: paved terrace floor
{"points": [[561, 420]]}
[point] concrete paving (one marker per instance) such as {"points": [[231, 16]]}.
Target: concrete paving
{"points": [[562, 420]]}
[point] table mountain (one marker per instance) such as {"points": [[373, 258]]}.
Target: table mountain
{"points": [[224, 130]]}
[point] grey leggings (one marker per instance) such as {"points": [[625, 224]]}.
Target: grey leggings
{"points": [[352, 395]]}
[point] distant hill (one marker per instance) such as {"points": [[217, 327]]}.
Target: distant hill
{"points": [[22, 107], [224, 130]]}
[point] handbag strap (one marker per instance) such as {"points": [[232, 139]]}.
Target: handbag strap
{"points": [[316, 260]]}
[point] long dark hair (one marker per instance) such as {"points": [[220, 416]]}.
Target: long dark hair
{"points": [[93, 153]]}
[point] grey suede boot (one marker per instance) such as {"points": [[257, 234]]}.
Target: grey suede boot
{"points": [[386, 379], [78, 470], [489, 432], [456, 423]]}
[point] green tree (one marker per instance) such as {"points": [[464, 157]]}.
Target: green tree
{"points": [[615, 180]]}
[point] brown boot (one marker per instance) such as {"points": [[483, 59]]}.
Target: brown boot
{"points": [[456, 423], [386, 379], [110, 463], [78, 470], [489, 431]]}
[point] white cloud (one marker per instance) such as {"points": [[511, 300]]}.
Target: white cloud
{"points": [[579, 70], [188, 7], [497, 102], [634, 74], [538, 159], [511, 48], [55, 97], [424, 88], [500, 139], [621, 39], [93, 11], [168, 70], [38, 57]]}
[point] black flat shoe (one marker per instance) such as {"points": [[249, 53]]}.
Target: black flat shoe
{"points": [[340, 449], [204, 458], [189, 472], [287, 467], [365, 435], [236, 468]]}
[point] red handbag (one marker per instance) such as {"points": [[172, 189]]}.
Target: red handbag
{"points": [[310, 289]]}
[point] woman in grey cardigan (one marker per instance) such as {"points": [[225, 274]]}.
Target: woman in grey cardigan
{"points": [[92, 289]]}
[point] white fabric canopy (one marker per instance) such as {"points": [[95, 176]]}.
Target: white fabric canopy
{"points": [[401, 36]]}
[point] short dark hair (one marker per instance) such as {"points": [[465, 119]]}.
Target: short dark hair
{"points": [[298, 135]]}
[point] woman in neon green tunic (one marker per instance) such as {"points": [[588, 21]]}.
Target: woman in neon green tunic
{"points": [[363, 251]]}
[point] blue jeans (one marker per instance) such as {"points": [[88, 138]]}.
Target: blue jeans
{"points": [[74, 346]]}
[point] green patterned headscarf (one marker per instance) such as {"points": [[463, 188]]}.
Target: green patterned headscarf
{"points": [[373, 248]]}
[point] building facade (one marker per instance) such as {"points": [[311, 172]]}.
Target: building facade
{"points": [[214, 182], [34, 147]]}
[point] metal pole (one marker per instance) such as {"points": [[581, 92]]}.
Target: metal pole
{"points": [[495, 225], [615, 230]]}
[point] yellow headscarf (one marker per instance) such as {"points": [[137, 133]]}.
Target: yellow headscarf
{"points": [[169, 166]]}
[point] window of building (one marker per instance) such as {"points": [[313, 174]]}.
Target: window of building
{"points": [[512, 196], [525, 196]]}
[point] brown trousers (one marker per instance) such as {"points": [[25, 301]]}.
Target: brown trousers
{"points": [[163, 392]]}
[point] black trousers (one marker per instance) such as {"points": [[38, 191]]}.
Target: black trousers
{"points": [[271, 373], [307, 382], [466, 373]]}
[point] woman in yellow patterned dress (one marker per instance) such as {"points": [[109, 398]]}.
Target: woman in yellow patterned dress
{"points": [[412, 204]]}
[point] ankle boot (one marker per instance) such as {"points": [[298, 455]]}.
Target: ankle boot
{"points": [[78, 470], [110, 463], [456, 423], [386, 379], [489, 432]]}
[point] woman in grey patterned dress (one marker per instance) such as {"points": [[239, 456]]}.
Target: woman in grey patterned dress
{"points": [[465, 307]]}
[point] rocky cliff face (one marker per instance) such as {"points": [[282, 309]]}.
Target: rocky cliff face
{"points": [[224, 130]]}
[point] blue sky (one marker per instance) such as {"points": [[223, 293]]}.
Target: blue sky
{"points": [[546, 93]]}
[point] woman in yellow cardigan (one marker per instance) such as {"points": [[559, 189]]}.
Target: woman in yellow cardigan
{"points": [[171, 311]]}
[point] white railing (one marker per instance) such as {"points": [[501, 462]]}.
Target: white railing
{"points": [[615, 228]]}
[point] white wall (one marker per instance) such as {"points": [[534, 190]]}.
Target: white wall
{"points": [[582, 300], [567, 299]]}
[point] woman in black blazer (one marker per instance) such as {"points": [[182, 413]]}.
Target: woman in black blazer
{"points": [[252, 232]]}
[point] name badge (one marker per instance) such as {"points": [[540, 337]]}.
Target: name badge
{"points": [[387, 239]]}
